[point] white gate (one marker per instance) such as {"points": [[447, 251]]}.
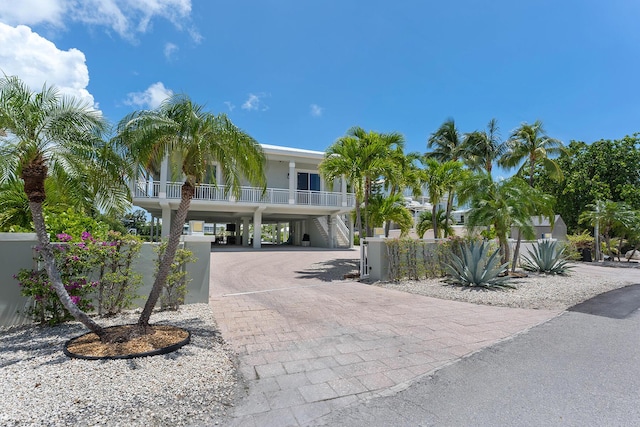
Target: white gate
{"points": [[364, 259]]}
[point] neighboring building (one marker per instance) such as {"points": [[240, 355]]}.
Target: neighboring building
{"points": [[296, 202], [543, 228]]}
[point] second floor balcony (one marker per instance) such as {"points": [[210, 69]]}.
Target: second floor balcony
{"points": [[248, 195]]}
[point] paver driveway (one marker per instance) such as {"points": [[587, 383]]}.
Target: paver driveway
{"points": [[309, 342]]}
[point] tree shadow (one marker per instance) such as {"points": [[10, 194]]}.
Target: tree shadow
{"points": [[332, 270]]}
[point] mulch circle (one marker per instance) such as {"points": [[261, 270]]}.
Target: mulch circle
{"points": [[166, 340]]}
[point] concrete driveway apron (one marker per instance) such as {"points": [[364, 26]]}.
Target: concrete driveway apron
{"points": [[310, 343]]}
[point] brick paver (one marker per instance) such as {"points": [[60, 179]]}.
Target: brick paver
{"points": [[309, 343]]}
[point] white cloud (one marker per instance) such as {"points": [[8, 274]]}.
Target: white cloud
{"points": [[254, 102], [150, 98], [37, 61], [169, 50], [231, 106], [315, 110], [126, 17]]}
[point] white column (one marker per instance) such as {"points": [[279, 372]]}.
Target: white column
{"points": [[343, 189], [245, 231], [257, 228], [166, 220], [292, 183], [331, 225], [278, 234], [164, 173]]}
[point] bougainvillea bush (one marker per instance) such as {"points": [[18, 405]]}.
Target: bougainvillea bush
{"points": [[91, 270]]}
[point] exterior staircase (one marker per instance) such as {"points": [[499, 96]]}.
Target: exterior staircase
{"points": [[342, 231]]}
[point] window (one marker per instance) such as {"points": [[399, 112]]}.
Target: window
{"points": [[308, 181]]}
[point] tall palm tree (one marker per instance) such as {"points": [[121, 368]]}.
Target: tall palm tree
{"points": [[440, 179], [482, 148], [528, 147], [192, 139], [446, 144], [361, 157], [45, 134]]}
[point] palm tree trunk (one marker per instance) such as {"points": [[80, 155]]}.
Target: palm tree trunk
{"points": [[164, 268], [54, 274], [434, 219], [448, 213], [516, 252], [504, 245]]}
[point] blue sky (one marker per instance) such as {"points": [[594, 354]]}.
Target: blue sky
{"points": [[300, 73]]}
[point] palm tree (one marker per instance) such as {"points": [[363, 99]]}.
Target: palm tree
{"points": [[500, 204], [384, 210], [440, 179], [45, 134], [425, 223], [192, 139], [482, 148], [529, 146], [446, 145], [605, 216], [361, 157]]}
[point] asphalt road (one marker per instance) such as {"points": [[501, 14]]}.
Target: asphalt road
{"points": [[579, 369]]}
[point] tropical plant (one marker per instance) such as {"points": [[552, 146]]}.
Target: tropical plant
{"points": [[361, 157], [529, 146], [384, 210], [605, 217], [191, 139], [175, 289], [577, 243], [546, 257], [45, 134], [482, 148], [477, 267], [440, 179], [446, 145], [425, 223]]}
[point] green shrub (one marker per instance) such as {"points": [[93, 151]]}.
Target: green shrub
{"points": [[175, 289], [477, 267], [577, 243], [547, 257]]}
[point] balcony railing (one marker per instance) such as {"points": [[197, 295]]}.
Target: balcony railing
{"points": [[277, 196]]}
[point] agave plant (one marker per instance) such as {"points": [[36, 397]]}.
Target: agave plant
{"points": [[547, 257], [477, 267]]}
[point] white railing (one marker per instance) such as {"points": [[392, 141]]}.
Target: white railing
{"points": [[278, 196]]}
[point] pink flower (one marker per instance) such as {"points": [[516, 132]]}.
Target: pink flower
{"points": [[64, 237], [75, 299]]}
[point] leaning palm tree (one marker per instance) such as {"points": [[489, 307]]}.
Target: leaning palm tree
{"points": [[191, 139], [528, 147], [45, 134]]}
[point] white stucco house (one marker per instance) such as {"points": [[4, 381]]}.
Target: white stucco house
{"points": [[297, 200]]}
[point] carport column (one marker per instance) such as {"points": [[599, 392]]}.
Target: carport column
{"points": [[292, 183], [166, 218], [343, 189], [237, 232], [164, 172], [331, 225], [278, 234], [257, 227], [245, 231]]}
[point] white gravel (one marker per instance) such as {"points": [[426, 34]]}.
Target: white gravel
{"points": [[41, 386], [537, 291]]}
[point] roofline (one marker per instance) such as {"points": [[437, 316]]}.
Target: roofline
{"points": [[289, 151]]}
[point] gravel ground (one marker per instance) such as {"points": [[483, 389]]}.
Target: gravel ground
{"points": [[41, 386], [537, 291]]}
